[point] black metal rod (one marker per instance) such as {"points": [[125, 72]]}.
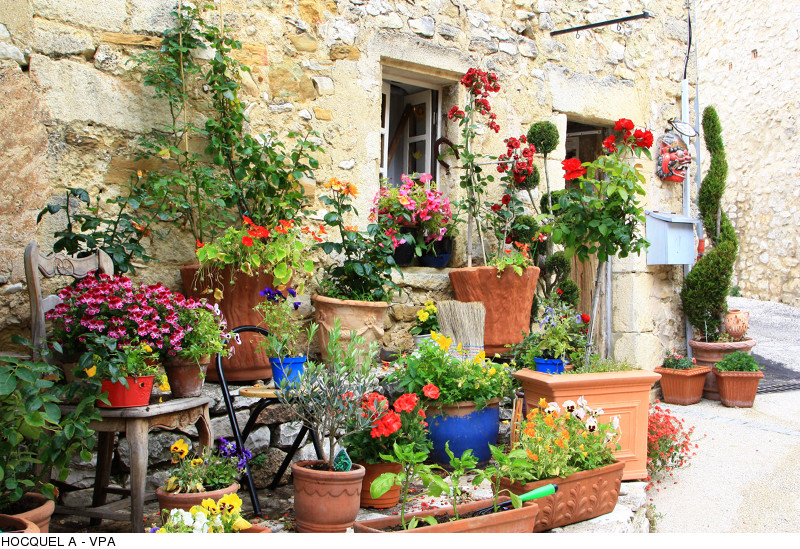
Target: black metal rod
{"points": [[644, 15]]}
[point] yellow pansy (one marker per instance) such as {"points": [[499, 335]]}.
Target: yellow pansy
{"points": [[172, 484], [444, 342], [91, 372], [230, 503], [196, 461], [211, 506], [241, 524], [147, 348], [492, 371], [180, 448], [542, 402], [164, 386]]}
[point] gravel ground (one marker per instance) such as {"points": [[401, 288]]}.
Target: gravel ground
{"points": [[745, 475]]}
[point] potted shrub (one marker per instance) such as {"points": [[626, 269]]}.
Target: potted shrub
{"points": [[328, 399], [215, 515], [462, 396], [195, 478], [358, 289], [570, 446], [37, 437], [682, 379], [705, 287], [507, 320], [426, 323], [402, 421], [738, 375], [612, 385], [496, 515]]}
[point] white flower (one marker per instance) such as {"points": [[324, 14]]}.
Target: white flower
{"points": [[569, 406], [580, 413], [615, 422], [552, 407], [582, 402], [216, 309], [598, 412], [591, 424]]}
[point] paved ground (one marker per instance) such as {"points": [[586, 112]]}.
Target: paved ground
{"points": [[745, 476]]}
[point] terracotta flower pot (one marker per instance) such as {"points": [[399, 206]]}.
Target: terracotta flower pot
{"points": [[623, 394], [507, 299], [736, 323], [513, 521], [186, 376], [169, 501], [738, 389], [373, 471], [15, 525], [581, 496], [236, 305], [683, 386], [366, 318], [326, 501], [137, 393], [40, 512], [707, 353]]}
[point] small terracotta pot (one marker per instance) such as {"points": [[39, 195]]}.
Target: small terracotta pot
{"points": [[39, 515], [366, 318], [373, 471], [683, 387], [186, 376], [513, 521], [708, 353], [326, 501], [14, 525], [169, 501], [738, 389], [737, 323]]}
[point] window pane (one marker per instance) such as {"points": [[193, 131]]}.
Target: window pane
{"points": [[383, 109], [417, 126], [416, 157]]}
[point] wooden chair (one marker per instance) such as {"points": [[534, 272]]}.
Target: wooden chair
{"points": [[37, 264]]}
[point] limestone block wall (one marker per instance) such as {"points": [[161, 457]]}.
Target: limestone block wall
{"points": [[748, 74], [73, 109]]}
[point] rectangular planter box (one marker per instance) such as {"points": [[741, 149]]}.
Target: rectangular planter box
{"points": [[623, 394]]}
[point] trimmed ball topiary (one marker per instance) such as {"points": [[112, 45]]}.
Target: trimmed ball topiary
{"points": [[544, 136], [530, 182]]}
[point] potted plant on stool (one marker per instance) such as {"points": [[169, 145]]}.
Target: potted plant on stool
{"points": [[328, 399], [682, 379], [126, 372], [738, 375]]}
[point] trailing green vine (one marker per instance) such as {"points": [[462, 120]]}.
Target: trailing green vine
{"points": [[705, 288]]}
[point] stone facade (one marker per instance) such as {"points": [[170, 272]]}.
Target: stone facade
{"points": [[73, 109], [746, 74]]}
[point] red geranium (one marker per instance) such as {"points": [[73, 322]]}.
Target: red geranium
{"points": [[247, 241], [572, 168], [431, 391], [406, 402], [585, 318], [388, 424]]}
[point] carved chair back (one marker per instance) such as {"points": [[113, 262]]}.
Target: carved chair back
{"points": [[37, 264]]}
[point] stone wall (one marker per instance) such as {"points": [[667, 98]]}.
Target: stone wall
{"points": [[73, 110], [747, 73]]}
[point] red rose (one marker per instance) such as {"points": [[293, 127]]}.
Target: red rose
{"points": [[644, 139], [506, 199], [572, 168], [406, 402], [585, 318], [608, 144], [431, 391], [496, 207], [623, 124], [559, 291]]}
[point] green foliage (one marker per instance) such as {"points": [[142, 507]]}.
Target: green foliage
{"points": [[530, 182], [279, 318], [459, 466], [118, 233], [562, 336], [738, 362], [328, 397], [458, 379], [570, 292], [412, 466], [735, 291], [207, 336], [544, 136], [598, 364], [705, 288], [504, 465], [677, 361], [427, 319], [37, 435]]}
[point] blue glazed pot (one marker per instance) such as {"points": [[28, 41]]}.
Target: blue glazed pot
{"points": [[465, 428], [289, 369], [439, 257], [549, 366]]}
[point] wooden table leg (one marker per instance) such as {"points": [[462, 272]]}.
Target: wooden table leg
{"points": [[203, 425], [136, 432], [105, 450]]}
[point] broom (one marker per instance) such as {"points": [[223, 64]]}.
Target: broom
{"points": [[463, 322]]}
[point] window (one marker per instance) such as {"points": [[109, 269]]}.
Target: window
{"points": [[409, 129]]}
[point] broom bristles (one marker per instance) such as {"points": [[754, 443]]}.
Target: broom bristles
{"points": [[463, 322]]}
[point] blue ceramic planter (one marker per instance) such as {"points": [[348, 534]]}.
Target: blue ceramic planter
{"points": [[289, 369], [549, 366], [465, 428]]}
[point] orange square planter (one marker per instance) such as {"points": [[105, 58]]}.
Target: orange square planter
{"points": [[683, 387], [623, 394]]}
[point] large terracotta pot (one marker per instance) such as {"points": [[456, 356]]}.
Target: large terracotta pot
{"points": [[239, 296], [169, 501], [709, 353], [40, 513], [513, 521], [623, 394], [738, 389], [186, 376], [683, 386], [373, 471], [581, 496], [325, 501], [366, 318], [507, 299], [15, 525], [737, 323]]}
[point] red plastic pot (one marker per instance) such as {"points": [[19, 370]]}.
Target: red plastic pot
{"points": [[137, 393]]}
